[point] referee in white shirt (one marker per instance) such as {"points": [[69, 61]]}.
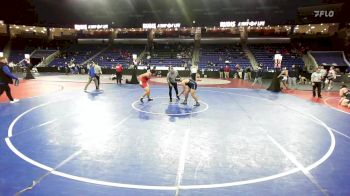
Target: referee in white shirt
{"points": [[98, 73], [316, 79], [194, 70]]}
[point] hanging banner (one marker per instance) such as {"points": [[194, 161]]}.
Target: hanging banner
{"points": [[80, 27], [247, 23], [165, 25]]}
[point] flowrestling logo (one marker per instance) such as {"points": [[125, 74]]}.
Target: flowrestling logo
{"points": [[324, 13]]}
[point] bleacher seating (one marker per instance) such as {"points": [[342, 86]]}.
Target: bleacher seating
{"points": [[42, 53], [165, 55], [77, 53], [214, 56], [16, 56], [59, 62], [264, 54], [211, 56], [118, 54], [329, 58]]}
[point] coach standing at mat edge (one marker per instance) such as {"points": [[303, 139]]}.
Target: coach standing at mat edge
{"points": [[119, 73], [6, 78]]}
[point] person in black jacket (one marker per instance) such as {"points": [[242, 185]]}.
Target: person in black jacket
{"points": [[275, 85], [248, 73], [258, 76], [293, 75], [6, 78], [221, 72]]}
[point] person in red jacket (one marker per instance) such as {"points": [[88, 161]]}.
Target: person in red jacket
{"points": [[227, 70], [119, 73]]}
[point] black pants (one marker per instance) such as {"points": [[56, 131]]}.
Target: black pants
{"points": [[323, 82], [119, 77], [6, 88], [171, 89], [98, 81], [193, 76], [318, 86], [275, 83]]}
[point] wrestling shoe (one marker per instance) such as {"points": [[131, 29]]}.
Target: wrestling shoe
{"points": [[14, 101], [197, 104]]}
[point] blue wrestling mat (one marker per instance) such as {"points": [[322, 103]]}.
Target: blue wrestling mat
{"points": [[237, 142]]}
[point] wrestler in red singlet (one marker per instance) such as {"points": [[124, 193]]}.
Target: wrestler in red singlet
{"points": [[144, 81], [144, 78]]}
